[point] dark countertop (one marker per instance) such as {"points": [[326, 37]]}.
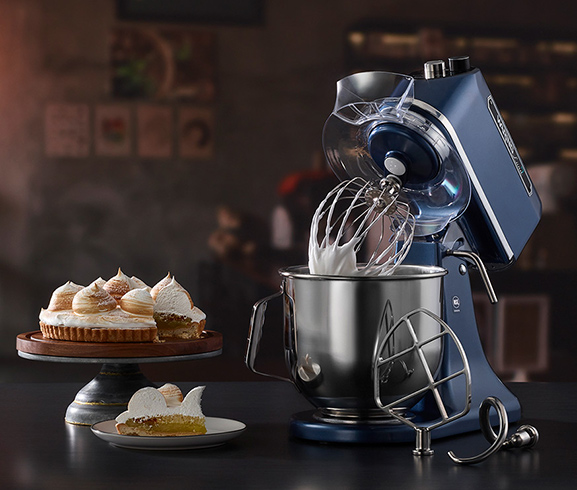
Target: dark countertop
{"points": [[40, 451]]}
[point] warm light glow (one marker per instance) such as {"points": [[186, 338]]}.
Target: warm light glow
{"points": [[520, 80], [568, 153], [558, 47], [460, 42], [564, 118], [399, 39], [357, 39], [494, 43]]}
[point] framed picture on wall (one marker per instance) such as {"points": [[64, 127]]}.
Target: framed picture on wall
{"points": [[67, 130], [112, 130], [154, 133], [196, 133]]}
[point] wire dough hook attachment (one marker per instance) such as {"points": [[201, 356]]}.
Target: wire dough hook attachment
{"points": [[526, 436]]}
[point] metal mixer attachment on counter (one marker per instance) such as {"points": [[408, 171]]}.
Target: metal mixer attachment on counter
{"points": [[386, 371]]}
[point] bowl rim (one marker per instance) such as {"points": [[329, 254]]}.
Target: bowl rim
{"points": [[403, 272]]}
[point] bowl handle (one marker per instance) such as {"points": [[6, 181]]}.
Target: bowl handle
{"points": [[255, 334]]}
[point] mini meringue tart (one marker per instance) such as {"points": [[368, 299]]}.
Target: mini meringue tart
{"points": [[118, 285], [94, 316], [175, 313], [163, 412]]}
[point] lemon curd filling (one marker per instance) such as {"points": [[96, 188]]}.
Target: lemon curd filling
{"points": [[175, 424], [180, 326], [167, 321]]}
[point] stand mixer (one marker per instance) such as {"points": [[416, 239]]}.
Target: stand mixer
{"points": [[440, 141]]}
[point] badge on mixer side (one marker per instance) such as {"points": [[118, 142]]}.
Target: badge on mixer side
{"points": [[511, 148]]}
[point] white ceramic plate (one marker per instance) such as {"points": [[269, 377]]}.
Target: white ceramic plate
{"points": [[218, 431]]}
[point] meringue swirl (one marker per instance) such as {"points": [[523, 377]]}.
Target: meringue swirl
{"points": [[62, 297], [138, 302], [93, 300], [137, 283], [118, 285]]}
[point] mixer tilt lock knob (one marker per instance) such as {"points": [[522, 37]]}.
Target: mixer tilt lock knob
{"points": [[434, 69], [459, 64]]}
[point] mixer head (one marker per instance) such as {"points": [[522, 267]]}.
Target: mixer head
{"points": [[442, 135], [373, 134]]}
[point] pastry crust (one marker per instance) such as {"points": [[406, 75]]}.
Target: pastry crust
{"points": [[98, 334]]}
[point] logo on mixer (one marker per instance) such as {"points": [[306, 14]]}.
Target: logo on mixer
{"points": [[511, 148], [456, 304]]}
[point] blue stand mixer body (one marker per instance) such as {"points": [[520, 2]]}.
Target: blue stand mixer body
{"points": [[502, 213], [504, 208]]}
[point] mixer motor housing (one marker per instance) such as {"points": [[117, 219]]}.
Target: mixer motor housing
{"points": [[503, 212]]}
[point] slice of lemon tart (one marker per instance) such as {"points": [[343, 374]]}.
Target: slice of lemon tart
{"points": [[163, 412]]}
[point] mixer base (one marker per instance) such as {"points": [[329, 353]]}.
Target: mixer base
{"points": [[306, 425]]}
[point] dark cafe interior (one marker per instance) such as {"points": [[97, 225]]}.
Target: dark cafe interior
{"points": [[194, 139]]}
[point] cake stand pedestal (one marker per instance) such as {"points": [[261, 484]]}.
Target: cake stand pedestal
{"points": [[108, 393]]}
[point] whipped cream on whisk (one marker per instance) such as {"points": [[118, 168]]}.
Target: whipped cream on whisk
{"points": [[343, 221]]}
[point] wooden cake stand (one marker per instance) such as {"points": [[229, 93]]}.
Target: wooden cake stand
{"points": [[108, 393]]}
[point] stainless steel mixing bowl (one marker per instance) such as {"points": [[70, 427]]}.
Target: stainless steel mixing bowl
{"points": [[332, 327]]}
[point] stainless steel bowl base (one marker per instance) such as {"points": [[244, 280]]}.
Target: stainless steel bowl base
{"points": [[356, 417], [306, 427]]}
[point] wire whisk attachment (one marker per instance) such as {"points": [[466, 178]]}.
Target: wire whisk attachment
{"points": [[359, 218]]}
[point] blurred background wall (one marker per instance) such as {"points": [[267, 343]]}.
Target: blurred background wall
{"points": [[180, 143]]}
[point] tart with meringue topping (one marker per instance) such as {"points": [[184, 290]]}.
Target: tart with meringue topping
{"points": [[92, 314], [122, 309], [163, 412]]}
